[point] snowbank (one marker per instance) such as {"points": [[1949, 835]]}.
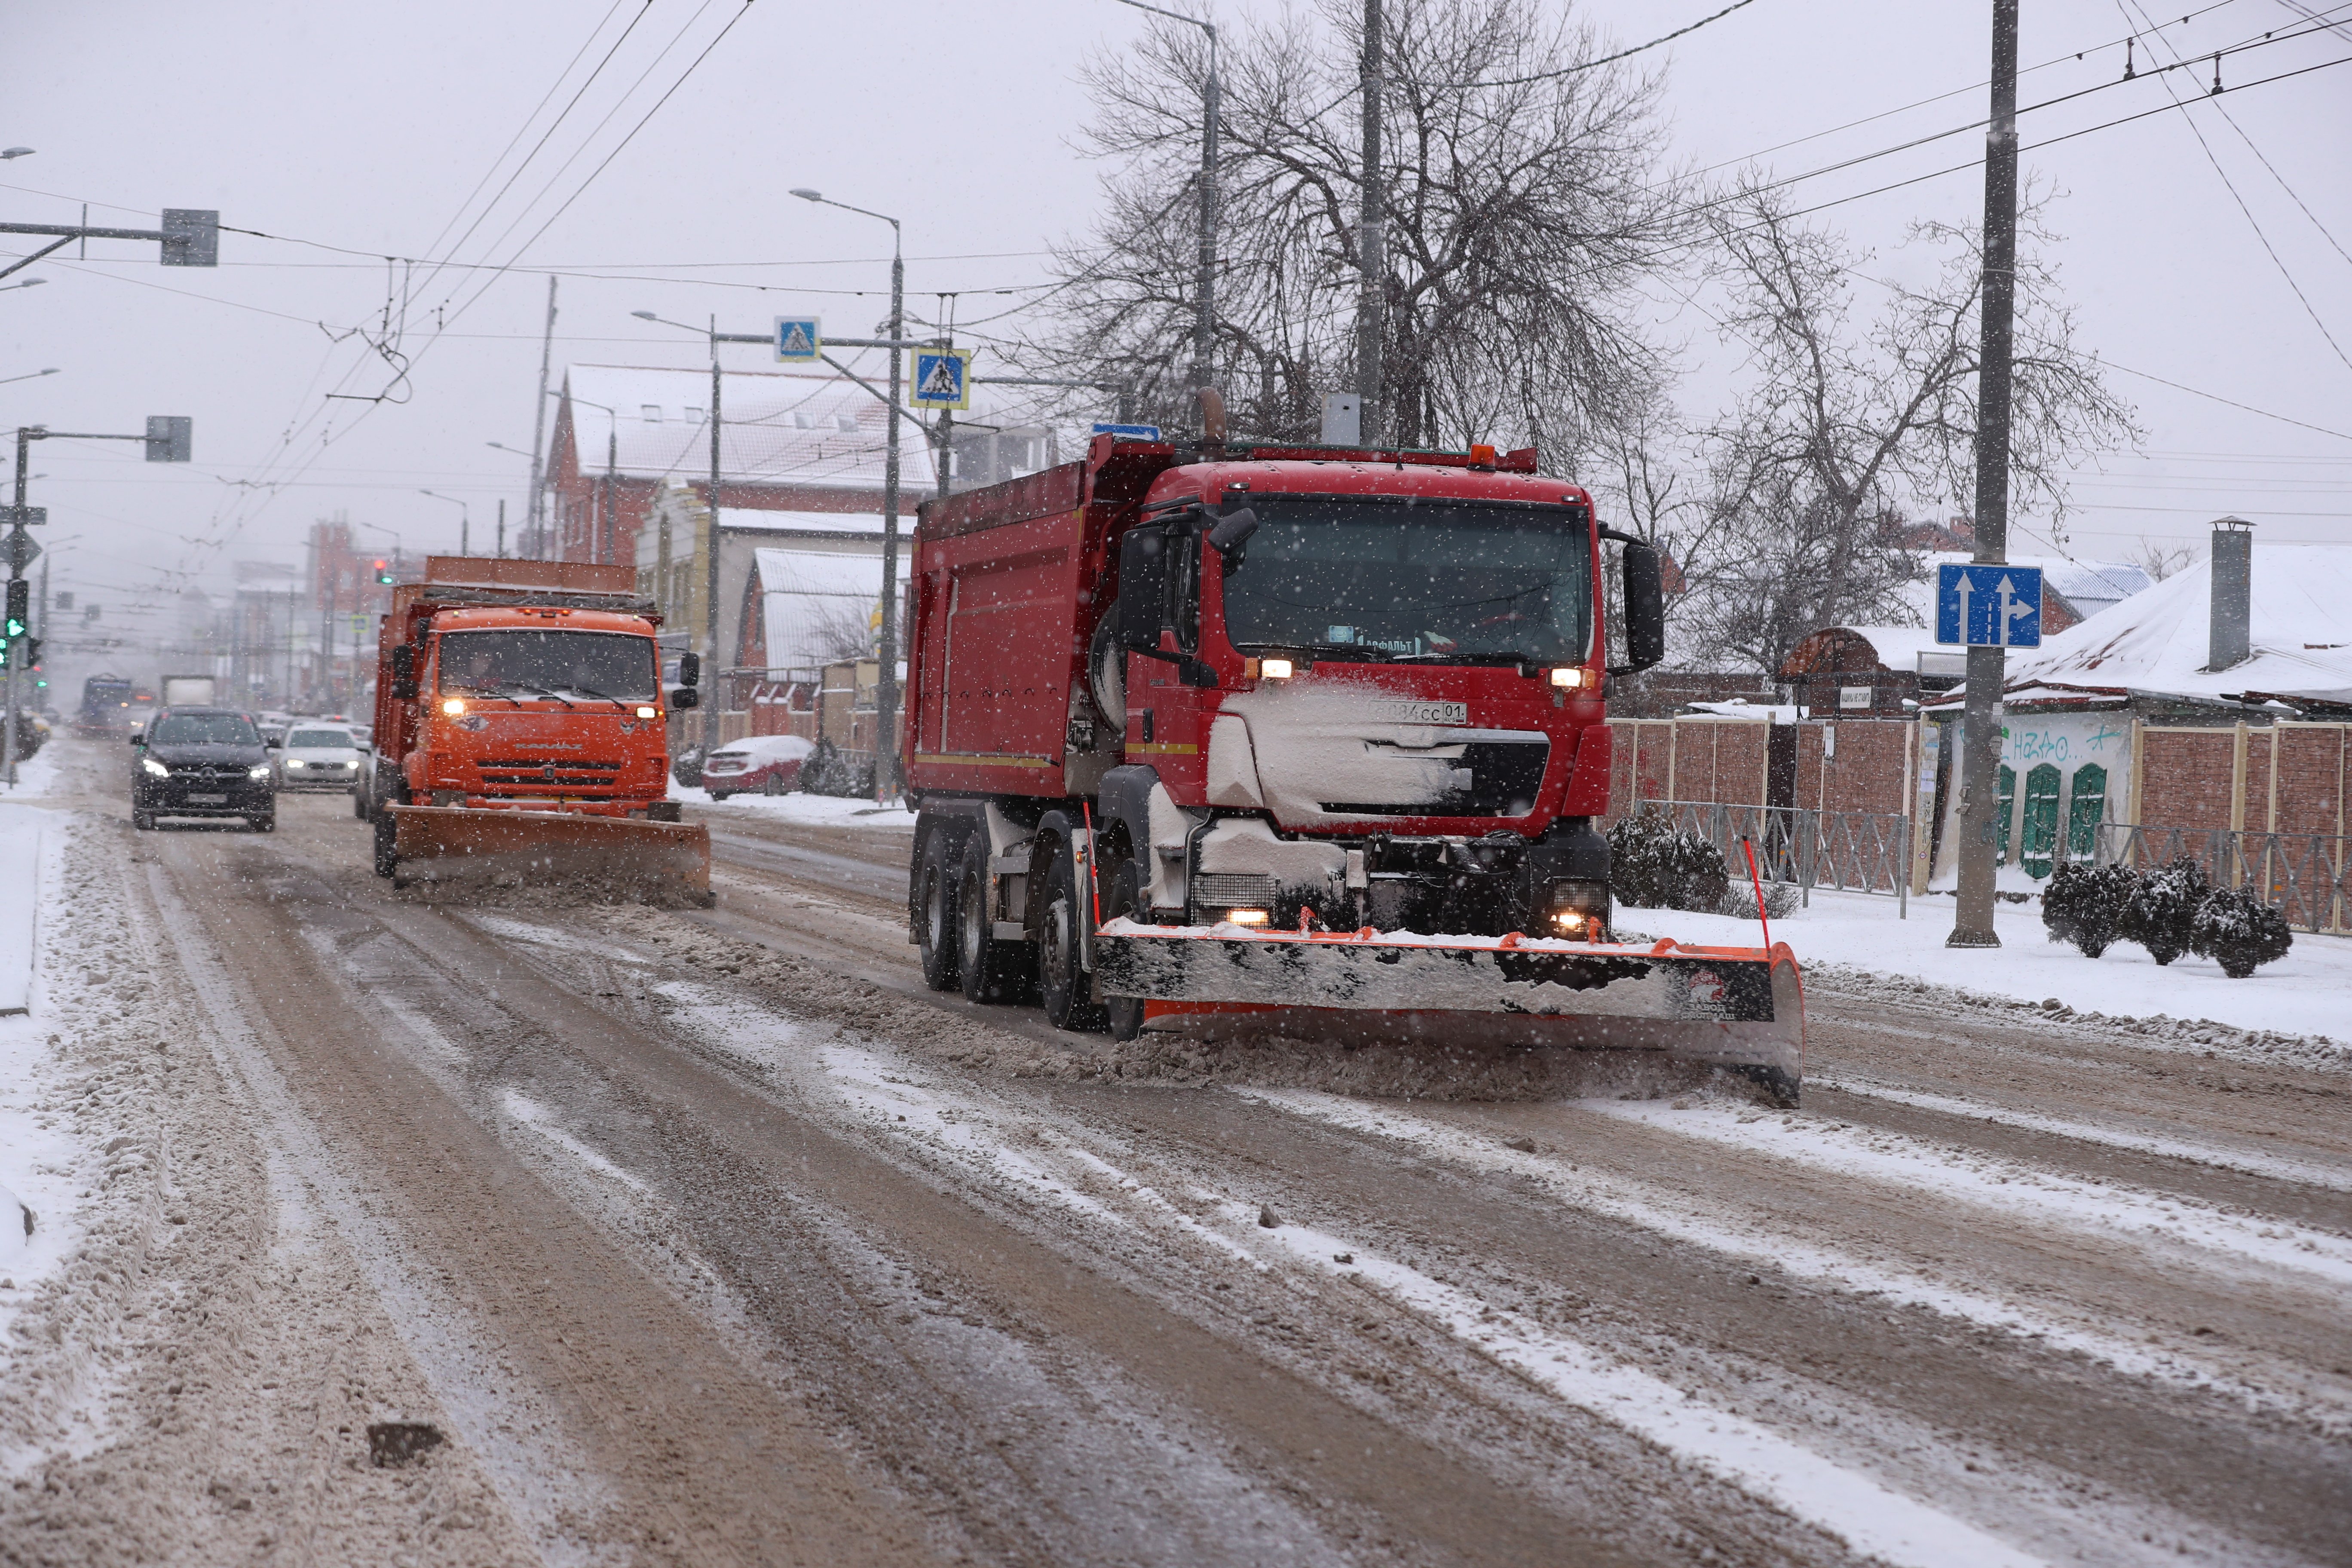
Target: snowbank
{"points": [[41, 1158], [822, 810], [2308, 991]]}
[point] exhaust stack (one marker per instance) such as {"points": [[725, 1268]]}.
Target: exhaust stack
{"points": [[2233, 581]]}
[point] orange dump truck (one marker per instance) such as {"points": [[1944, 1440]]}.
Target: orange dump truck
{"points": [[521, 734]]}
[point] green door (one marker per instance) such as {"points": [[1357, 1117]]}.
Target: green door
{"points": [[2086, 807], [2008, 809], [2040, 844]]}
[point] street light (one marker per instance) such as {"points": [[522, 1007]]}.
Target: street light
{"points": [[886, 686], [464, 520], [31, 374], [28, 283], [14, 153], [1204, 315]]}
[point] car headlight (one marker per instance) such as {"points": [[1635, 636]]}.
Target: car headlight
{"points": [[152, 766], [1580, 909], [296, 762], [260, 772]]}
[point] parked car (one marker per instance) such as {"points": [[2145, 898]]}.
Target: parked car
{"points": [[320, 756], [202, 762], [769, 765]]}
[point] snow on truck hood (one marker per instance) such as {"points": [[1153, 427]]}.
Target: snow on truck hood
{"points": [[1301, 748]]}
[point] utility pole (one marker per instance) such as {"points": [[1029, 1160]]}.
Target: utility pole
{"points": [[886, 679], [604, 557], [535, 519], [710, 566], [1371, 240], [502, 528], [1988, 667]]}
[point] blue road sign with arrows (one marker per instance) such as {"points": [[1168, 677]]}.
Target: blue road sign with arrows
{"points": [[1127, 432], [800, 339], [1988, 606]]}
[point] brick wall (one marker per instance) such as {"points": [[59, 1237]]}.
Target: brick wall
{"points": [[2184, 777], [2306, 793], [1866, 773]]}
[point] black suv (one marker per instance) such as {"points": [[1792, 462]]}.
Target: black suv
{"points": [[203, 762]]}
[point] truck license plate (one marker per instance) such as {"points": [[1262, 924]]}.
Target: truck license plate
{"points": [[1413, 711], [208, 800]]}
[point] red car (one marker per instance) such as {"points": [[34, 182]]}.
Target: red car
{"points": [[767, 765]]}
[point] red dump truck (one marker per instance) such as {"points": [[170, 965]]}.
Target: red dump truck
{"points": [[1222, 739], [520, 733]]}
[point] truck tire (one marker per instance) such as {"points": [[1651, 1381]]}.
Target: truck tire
{"points": [[990, 970], [1069, 989], [387, 856], [937, 933], [264, 822], [360, 801]]}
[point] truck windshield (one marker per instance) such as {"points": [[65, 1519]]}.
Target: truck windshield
{"points": [[1431, 580], [603, 665]]}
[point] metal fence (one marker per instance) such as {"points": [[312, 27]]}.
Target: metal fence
{"points": [[2301, 875], [1852, 851]]}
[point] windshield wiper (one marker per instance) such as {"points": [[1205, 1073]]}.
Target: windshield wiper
{"points": [[538, 692], [602, 696]]}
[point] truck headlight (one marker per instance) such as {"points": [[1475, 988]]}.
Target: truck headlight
{"points": [[454, 706], [155, 767], [648, 713], [1579, 910], [1247, 917], [260, 772], [1568, 676], [1274, 669]]}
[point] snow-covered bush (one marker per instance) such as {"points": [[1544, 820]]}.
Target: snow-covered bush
{"points": [[1739, 901], [831, 771], [1654, 865], [2239, 931], [2162, 909], [2085, 904]]}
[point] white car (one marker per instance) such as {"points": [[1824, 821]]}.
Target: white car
{"points": [[319, 756]]}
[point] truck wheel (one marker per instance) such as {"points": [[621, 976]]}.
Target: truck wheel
{"points": [[387, 857], [990, 971], [936, 932], [1069, 1000], [265, 823], [358, 803]]}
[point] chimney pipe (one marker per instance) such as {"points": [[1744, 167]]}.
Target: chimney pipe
{"points": [[2233, 580]]}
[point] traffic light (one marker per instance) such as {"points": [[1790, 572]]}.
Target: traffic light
{"points": [[20, 607], [33, 657], [384, 573]]}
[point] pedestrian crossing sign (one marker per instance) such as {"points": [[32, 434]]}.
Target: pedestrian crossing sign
{"points": [[943, 379], [799, 340]]}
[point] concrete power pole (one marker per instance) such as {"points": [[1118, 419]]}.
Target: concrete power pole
{"points": [[711, 570], [1988, 667], [535, 519], [1371, 241]]}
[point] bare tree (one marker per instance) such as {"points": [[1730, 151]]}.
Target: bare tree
{"points": [[1524, 196], [1847, 426], [2161, 561]]}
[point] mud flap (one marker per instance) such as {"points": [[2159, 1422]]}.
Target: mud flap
{"points": [[1739, 1010], [623, 858]]}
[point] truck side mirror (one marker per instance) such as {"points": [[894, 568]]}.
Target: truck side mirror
{"points": [[1645, 610], [404, 662], [1233, 529], [1142, 590], [684, 697], [689, 670]]}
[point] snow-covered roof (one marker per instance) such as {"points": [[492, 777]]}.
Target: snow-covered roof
{"points": [[809, 597], [2299, 625], [855, 524], [777, 427], [1899, 647]]}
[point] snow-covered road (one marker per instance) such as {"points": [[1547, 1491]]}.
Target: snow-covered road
{"points": [[715, 1237]]}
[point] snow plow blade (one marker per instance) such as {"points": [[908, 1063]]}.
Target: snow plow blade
{"points": [[618, 857], [1739, 1010]]}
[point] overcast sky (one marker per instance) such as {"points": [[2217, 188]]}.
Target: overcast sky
{"points": [[367, 128]]}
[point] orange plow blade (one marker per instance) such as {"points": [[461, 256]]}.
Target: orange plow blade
{"points": [[617, 858], [1735, 1010]]}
